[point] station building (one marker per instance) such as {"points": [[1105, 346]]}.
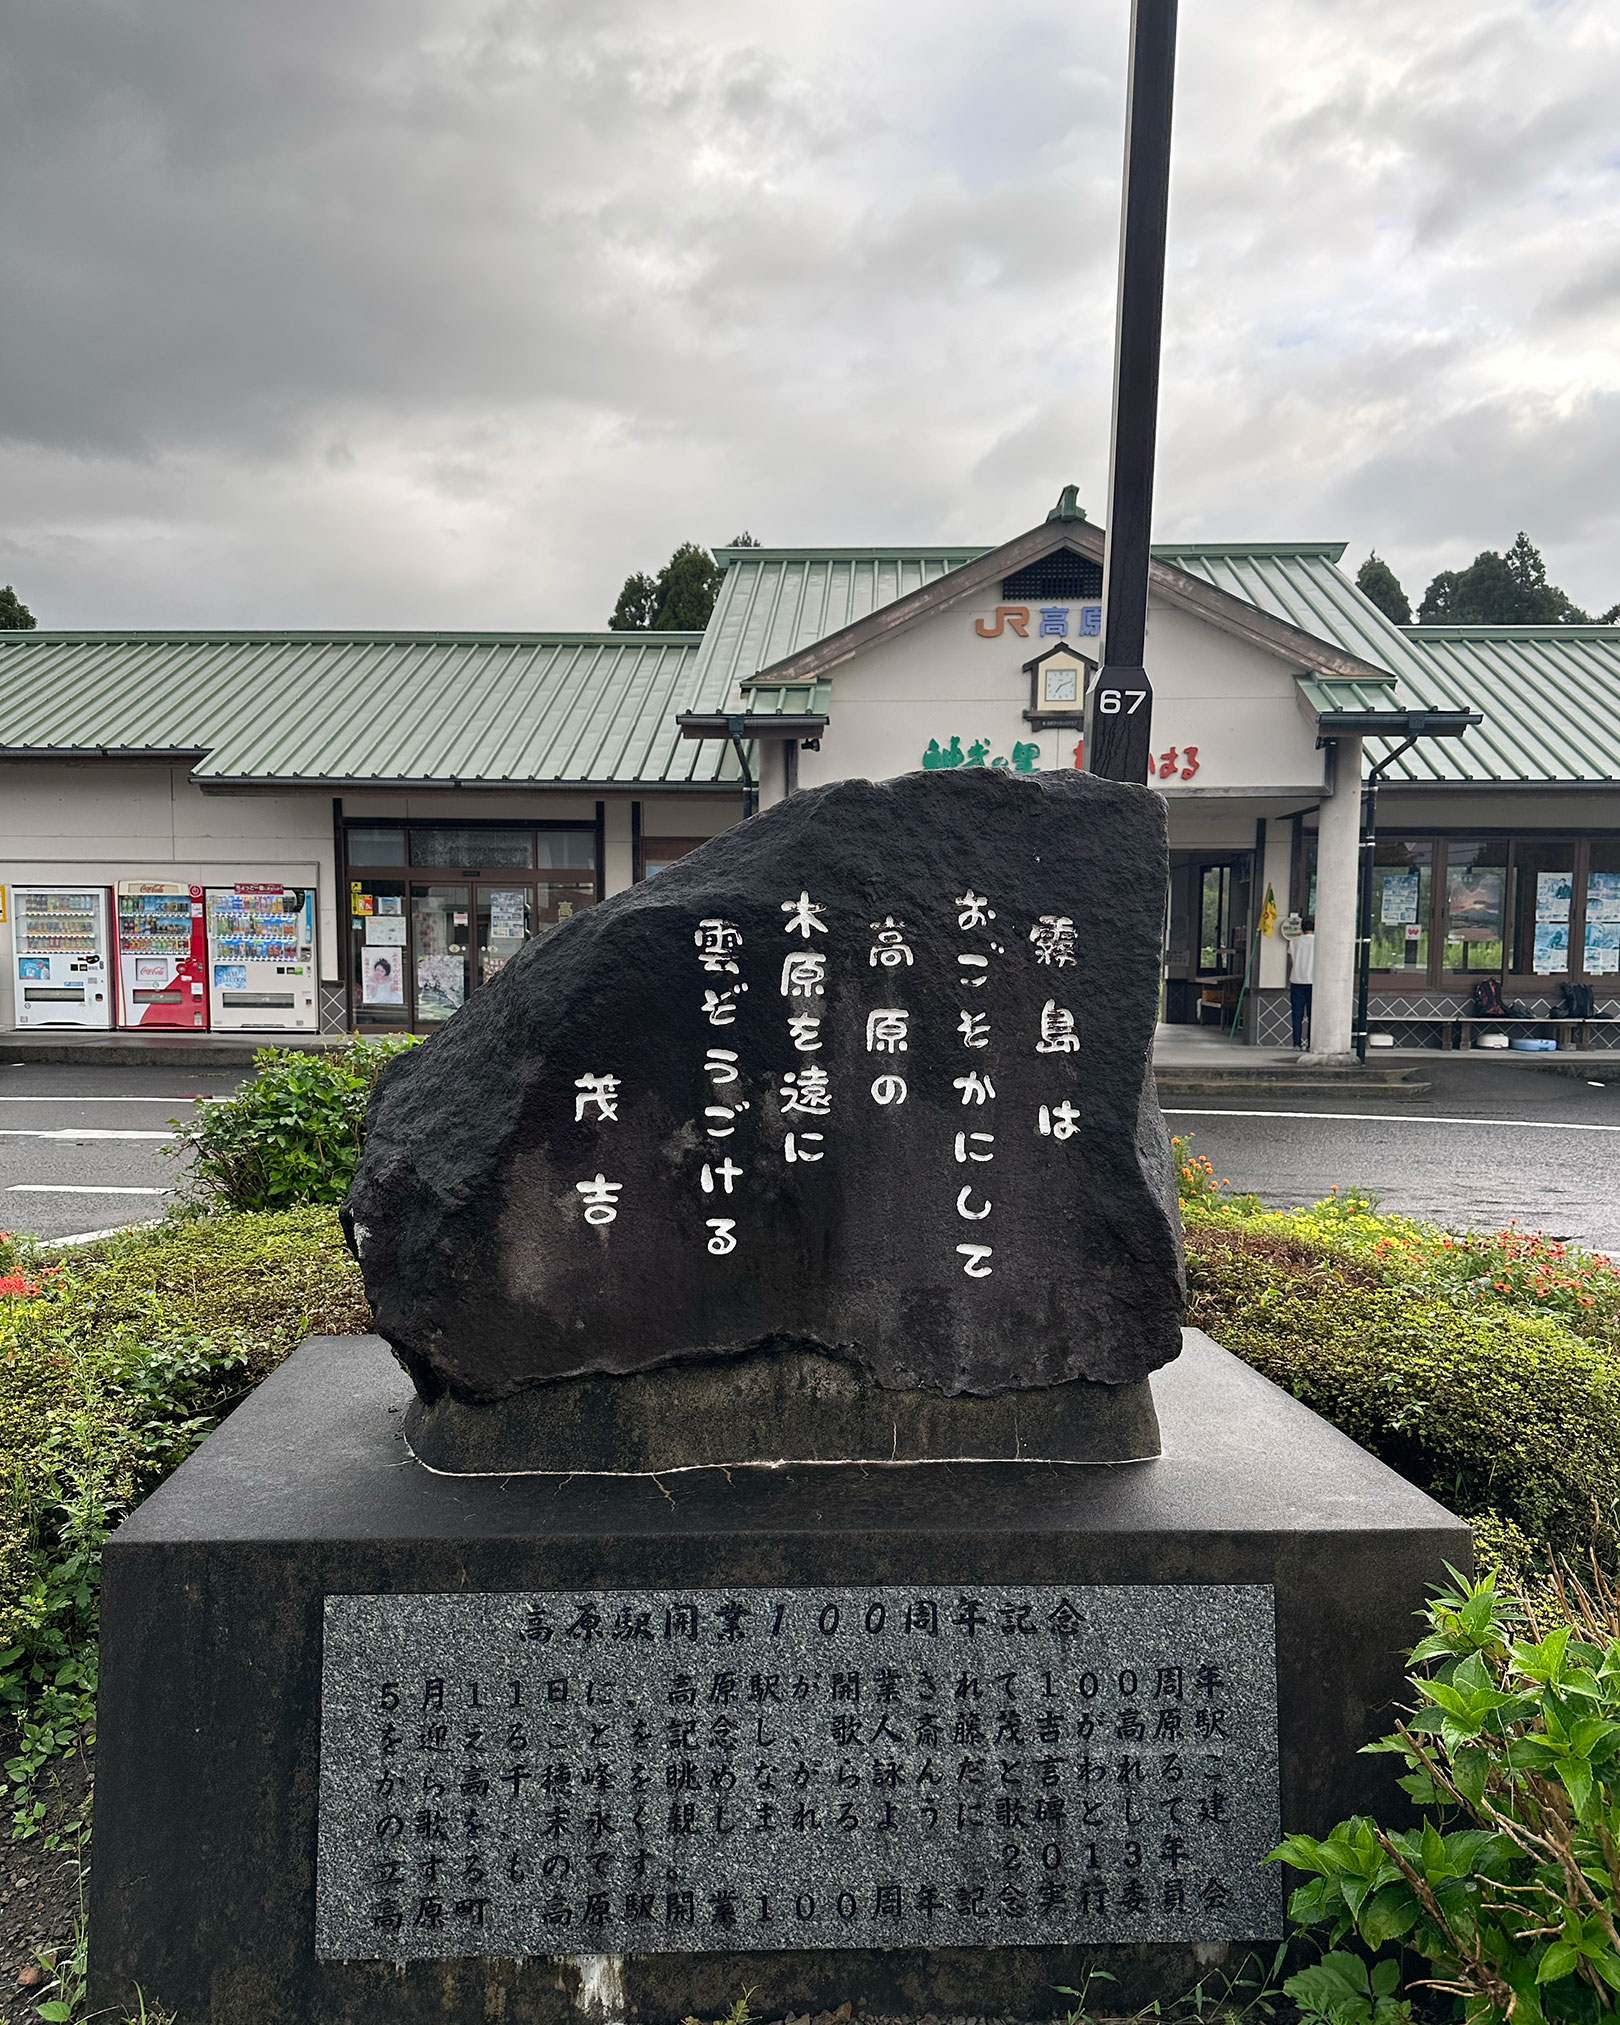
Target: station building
{"points": [[283, 831]]}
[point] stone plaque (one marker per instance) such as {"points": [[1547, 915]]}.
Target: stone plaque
{"points": [[710, 1770], [868, 1075]]}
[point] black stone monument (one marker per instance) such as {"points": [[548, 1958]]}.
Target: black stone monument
{"points": [[771, 1567]]}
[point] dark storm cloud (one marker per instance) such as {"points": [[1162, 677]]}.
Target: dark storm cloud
{"points": [[452, 311]]}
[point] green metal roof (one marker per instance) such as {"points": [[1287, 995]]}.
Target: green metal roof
{"points": [[1300, 583], [1550, 696], [307, 708], [788, 699], [775, 601], [1329, 693]]}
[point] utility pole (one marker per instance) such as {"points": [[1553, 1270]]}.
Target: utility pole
{"points": [[1119, 707]]}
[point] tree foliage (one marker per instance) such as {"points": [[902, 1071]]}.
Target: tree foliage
{"points": [[637, 607], [15, 616], [1379, 583], [680, 598], [1500, 590]]}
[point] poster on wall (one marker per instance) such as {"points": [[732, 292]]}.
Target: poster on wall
{"points": [[1554, 891], [1400, 898], [1602, 947], [1552, 947], [390, 903], [383, 976], [383, 933], [441, 985], [1474, 901], [1603, 896]]}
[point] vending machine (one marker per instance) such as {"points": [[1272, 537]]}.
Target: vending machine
{"points": [[162, 955], [61, 965], [261, 958]]}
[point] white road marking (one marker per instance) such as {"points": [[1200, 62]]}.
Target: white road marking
{"points": [[1401, 1118], [77, 1132], [52, 1098], [63, 1188]]}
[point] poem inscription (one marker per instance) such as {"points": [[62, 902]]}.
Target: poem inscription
{"points": [[686, 1771]]}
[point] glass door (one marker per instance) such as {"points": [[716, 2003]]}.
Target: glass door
{"points": [[505, 923], [441, 944]]}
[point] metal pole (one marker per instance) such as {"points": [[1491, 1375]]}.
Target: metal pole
{"points": [[1119, 706]]}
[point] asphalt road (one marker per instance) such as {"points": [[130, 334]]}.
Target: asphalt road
{"points": [[81, 1149], [1493, 1144]]}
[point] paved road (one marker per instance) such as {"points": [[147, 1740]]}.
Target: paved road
{"points": [[1493, 1144], [81, 1149]]}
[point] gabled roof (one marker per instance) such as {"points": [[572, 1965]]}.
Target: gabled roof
{"points": [[315, 708], [969, 577]]}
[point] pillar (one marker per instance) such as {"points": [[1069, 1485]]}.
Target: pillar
{"points": [[1338, 848], [618, 848]]}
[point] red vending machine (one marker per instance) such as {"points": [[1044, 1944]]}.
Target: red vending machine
{"points": [[162, 955]]}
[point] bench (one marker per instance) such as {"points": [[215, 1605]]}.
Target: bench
{"points": [[1457, 1029]]}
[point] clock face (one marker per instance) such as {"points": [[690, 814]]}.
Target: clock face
{"points": [[1060, 684]]}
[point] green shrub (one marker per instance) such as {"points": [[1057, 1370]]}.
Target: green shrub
{"points": [[1493, 1410], [290, 1135], [1510, 1888], [112, 1368]]}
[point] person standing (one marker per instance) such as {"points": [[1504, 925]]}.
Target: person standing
{"points": [[1301, 976]]}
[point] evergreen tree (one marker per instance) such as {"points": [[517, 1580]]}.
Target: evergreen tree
{"points": [[744, 540], [1500, 590], [1378, 583], [637, 606], [687, 586], [15, 616], [679, 599]]}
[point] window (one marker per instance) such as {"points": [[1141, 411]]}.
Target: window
{"points": [[502, 849], [1523, 907], [1602, 937], [1543, 887], [1476, 898], [1214, 902], [1400, 903], [376, 847]]}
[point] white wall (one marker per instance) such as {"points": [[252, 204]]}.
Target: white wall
{"points": [[1232, 702], [97, 822]]}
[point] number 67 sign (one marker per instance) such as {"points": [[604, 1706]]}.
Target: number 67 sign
{"points": [[1119, 725]]}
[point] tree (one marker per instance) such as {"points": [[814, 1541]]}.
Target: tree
{"points": [[687, 587], [637, 606], [745, 540], [15, 616], [1500, 590], [679, 599], [1379, 584]]}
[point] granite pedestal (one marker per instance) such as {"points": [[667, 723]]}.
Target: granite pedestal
{"points": [[204, 1886]]}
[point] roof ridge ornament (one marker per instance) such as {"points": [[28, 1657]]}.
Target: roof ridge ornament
{"points": [[1068, 506]]}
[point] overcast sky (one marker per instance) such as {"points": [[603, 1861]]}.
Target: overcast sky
{"points": [[452, 312]]}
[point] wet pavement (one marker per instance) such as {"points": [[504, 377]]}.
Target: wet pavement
{"points": [[82, 1147], [1495, 1142]]}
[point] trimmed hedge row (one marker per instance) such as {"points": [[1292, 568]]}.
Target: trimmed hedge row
{"points": [[1483, 1368]]}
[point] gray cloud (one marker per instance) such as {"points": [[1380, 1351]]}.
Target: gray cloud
{"points": [[417, 312]]}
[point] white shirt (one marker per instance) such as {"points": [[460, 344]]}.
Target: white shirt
{"points": [[1302, 959]]}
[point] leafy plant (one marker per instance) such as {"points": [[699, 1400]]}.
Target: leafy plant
{"points": [[1510, 1889], [1341, 1990], [110, 1374], [292, 1134]]}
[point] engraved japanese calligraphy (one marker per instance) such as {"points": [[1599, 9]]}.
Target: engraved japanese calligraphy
{"points": [[762, 1769], [725, 1114]]}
